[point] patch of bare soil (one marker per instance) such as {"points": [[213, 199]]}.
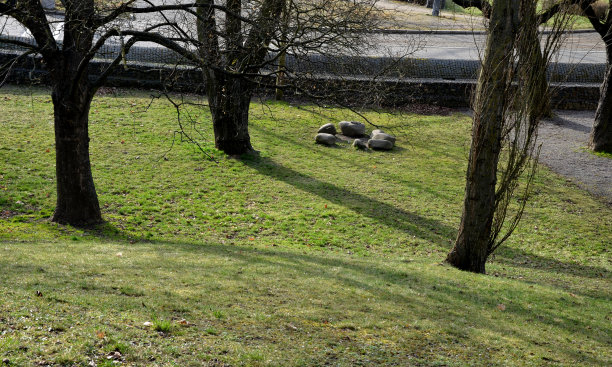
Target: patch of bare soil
{"points": [[426, 109], [6, 214]]}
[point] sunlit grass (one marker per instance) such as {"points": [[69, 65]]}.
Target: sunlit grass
{"points": [[305, 256]]}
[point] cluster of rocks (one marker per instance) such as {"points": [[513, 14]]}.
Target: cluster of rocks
{"points": [[377, 140]]}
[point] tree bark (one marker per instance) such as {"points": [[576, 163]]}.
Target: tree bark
{"points": [[229, 98], [280, 76], [77, 201], [473, 241], [436, 8], [543, 105], [601, 135]]}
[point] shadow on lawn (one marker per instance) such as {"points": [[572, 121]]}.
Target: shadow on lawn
{"points": [[442, 293], [414, 224], [326, 155], [412, 293], [522, 259]]}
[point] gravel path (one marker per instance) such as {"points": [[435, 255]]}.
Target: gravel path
{"points": [[564, 139]]}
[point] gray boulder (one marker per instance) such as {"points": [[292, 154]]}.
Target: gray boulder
{"points": [[377, 144], [328, 129], [352, 128], [382, 136], [360, 144], [325, 139]]}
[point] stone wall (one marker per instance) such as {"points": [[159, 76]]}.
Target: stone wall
{"points": [[390, 91]]}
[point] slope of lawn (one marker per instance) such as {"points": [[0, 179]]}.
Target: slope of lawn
{"points": [[304, 256]]}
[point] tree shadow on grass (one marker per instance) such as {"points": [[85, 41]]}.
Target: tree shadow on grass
{"points": [[409, 292], [422, 281], [411, 223], [307, 144], [505, 256], [520, 258]]}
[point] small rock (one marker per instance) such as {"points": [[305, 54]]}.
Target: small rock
{"points": [[360, 144], [383, 136], [380, 144], [325, 139], [114, 356], [352, 128], [147, 323], [327, 129]]}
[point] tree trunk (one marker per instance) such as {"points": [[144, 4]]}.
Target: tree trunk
{"points": [[77, 201], [279, 94], [601, 135], [436, 8], [473, 241], [543, 106], [229, 98]]}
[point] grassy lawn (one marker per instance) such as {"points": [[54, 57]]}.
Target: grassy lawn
{"points": [[305, 256], [576, 22]]}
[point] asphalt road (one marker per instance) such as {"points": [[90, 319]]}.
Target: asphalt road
{"points": [[577, 47]]}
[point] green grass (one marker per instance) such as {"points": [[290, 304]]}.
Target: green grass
{"points": [[603, 154], [163, 326], [576, 21], [305, 256], [454, 8], [599, 154]]}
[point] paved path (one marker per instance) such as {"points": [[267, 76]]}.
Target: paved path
{"points": [[577, 48], [564, 139]]}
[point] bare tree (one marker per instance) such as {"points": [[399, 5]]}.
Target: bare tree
{"points": [[599, 16], [247, 47], [84, 30], [601, 20], [507, 108], [539, 63], [237, 43]]}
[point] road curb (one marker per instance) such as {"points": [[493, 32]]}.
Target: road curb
{"points": [[458, 32]]}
